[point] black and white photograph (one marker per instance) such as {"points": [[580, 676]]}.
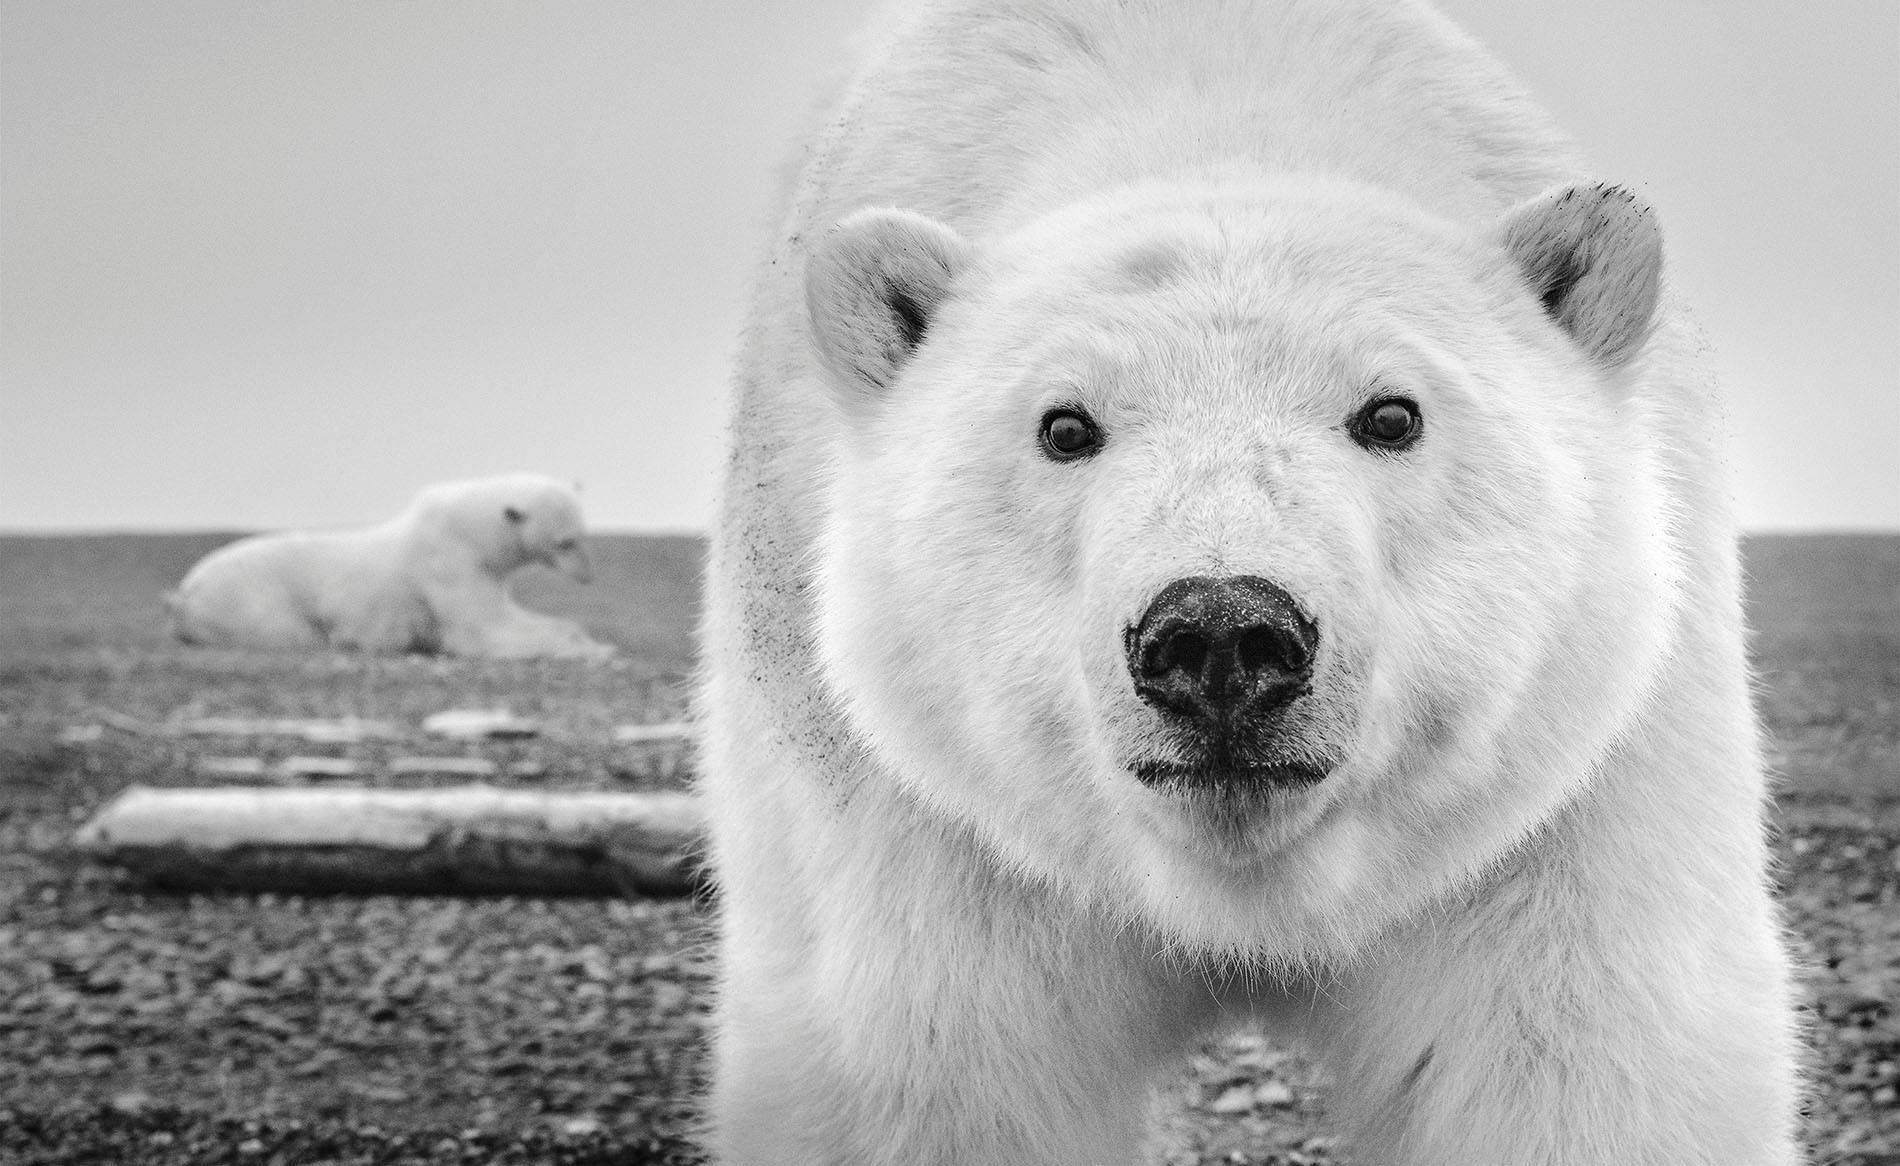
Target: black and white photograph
{"points": [[949, 583]]}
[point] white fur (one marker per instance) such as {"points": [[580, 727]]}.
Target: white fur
{"points": [[1525, 913], [431, 579]]}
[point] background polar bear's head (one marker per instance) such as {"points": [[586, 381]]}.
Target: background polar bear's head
{"points": [[1410, 454], [511, 520]]}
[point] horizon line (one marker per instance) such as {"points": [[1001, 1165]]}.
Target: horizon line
{"points": [[7, 532]]}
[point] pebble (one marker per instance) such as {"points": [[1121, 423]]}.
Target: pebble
{"points": [[1235, 1099]]}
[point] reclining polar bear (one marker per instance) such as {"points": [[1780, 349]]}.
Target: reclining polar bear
{"points": [[431, 579]]}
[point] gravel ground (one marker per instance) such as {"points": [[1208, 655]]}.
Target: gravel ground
{"points": [[150, 1028], [142, 1027]]}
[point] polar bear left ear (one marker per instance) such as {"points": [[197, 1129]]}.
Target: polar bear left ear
{"points": [[873, 287], [1593, 254]]}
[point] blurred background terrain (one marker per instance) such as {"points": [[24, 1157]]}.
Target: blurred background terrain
{"points": [[175, 1029]]}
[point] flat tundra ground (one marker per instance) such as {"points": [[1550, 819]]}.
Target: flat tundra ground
{"points": [[153, 1028]]}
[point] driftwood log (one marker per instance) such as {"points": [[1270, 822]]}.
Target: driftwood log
{"points": [[462, 840]]}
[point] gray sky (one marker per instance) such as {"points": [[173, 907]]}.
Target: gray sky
{"points": [[271, 263]]}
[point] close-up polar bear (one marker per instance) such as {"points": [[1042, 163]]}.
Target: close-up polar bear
{"points": [[1228, 525], [431, 579]]}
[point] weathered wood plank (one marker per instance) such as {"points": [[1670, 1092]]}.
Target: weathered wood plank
{"points": [[472, 839]]}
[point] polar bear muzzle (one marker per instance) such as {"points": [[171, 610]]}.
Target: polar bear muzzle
{"points": [[1220, 658]]}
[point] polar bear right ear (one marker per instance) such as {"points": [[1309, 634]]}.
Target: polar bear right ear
{"points": [[1593, 254], [872, 288]]}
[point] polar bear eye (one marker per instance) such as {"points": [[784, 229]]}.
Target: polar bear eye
{"points": [[1068, 434], [1388, 423]]}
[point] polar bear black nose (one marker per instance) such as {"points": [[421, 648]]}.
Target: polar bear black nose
{"points": [[1214, 649]]}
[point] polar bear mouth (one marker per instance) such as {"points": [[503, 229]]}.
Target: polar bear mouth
{"points": [[1229, 777]]}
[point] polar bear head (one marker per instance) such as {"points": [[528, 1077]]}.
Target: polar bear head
{"points": [[1255, 558], [512, 520]]}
